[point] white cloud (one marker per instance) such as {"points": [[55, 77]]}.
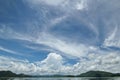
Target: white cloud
{"points": [[81, 4], [112, 40], [60, 45], [6, 32], [38, 48], [53, 2], [53, 58], [44, 38], [54, 64], [107, 16], [63, 5], [53, 22], [8, 63], [51, 65], [49, 2], [54, 42], [9, 51], [107, 62]]}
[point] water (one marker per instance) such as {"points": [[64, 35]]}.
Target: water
{"points": [[60, 78]]}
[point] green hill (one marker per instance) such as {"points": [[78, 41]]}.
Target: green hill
{"points": [[98, 74], [87, 74], [11, 74]]}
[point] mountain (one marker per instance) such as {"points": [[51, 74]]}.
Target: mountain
{"points": [[87, 74], [11, 74], [98, 74]]}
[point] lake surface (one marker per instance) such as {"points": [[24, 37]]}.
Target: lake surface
{"points": [[60, 78]]}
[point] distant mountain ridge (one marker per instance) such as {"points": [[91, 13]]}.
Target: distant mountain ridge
{"points": [[87, 74]]}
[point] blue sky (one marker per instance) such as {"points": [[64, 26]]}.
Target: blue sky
{"points": [[59, 36]]}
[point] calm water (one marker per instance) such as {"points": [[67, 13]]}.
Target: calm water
{"points": [[117, 78]]}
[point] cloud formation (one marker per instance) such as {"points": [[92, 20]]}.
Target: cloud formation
{"points": [[54, 64], [72, 49], [9, 51], [66, 5], [80, 29]]}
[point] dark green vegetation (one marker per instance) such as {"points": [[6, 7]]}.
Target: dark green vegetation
{"points": [[98, 74], [87, 74], [11, 74]]}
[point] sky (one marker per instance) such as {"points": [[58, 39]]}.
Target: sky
{"points": [[46, 37]]}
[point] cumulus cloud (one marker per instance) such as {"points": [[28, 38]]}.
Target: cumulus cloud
{"points": [[11, 63], [51, 65], [106, 62], [54, 64]]}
